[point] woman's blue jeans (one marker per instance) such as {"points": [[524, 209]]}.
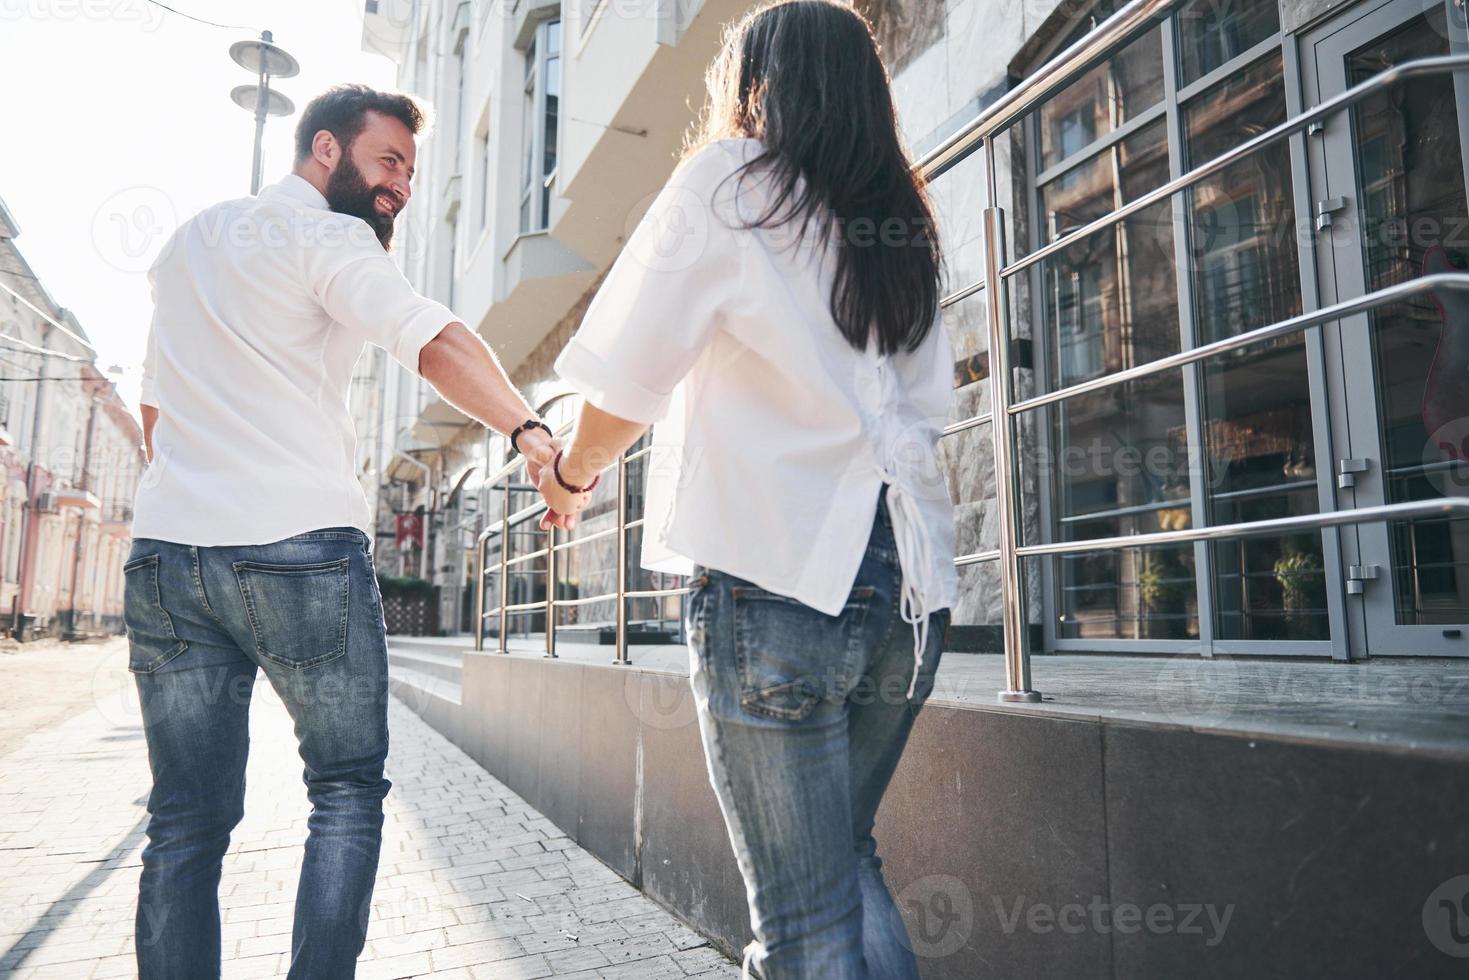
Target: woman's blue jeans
{"points": [[804, 717], [201, 622]]}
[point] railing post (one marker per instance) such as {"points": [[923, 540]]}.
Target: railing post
{"points": [[551, 591], [619, 652], [1017, 656], [479, 592], [504, 568]]}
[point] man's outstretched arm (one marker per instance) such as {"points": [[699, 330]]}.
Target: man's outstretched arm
{"points": [[360, 287], [462, 368]]}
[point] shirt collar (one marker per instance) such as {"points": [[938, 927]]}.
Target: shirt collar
{"points": [[299, 189]]}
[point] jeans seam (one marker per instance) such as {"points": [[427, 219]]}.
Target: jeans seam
{"points": [[737, 825], [199, 588]]}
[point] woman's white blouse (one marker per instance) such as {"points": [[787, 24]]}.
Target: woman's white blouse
{"points": [[774, 435]]}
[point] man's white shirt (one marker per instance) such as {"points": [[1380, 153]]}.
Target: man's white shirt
{"points": [[262, 306]]}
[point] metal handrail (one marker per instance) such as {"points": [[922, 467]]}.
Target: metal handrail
{"points": [[1043, 83], [1409, 510], [1434, 65], [979, 135], [1017, 656], [1386, 296]]}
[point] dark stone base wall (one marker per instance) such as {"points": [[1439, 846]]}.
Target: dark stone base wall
{"points": [[1023, 846]]}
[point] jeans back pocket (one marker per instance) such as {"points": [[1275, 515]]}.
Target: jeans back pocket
{"points": [[152, 641], [297, 613], [789, 656]]}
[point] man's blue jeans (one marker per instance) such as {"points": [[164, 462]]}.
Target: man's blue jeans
{"points": [[804, 717], [200, 621]]}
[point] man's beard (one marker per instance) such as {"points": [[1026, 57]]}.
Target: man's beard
{"points": [[347, 192]]}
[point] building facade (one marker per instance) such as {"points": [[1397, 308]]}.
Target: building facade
{"points": [[70, 456], [557, 122]]}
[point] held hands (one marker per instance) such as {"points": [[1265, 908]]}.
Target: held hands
{"points": [[540, 452], [562, 504]]}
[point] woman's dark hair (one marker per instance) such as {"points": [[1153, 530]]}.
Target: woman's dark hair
{"points": [[342, 111], [805, 79]]}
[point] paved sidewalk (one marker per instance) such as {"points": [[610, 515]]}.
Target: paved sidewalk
{"points": [[473, 883]]}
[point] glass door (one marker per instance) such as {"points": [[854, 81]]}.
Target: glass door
{"points": [[1390, 206]]}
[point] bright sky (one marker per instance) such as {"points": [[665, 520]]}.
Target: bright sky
{"points": [[118, 125]]}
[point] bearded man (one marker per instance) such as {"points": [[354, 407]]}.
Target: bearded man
{"points": [[250, 547]]}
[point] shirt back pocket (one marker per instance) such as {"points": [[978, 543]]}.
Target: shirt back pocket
{"points": [[297, 613]]}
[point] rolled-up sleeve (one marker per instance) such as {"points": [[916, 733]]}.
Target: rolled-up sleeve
{"points": [[663, 297], [363, 290]]}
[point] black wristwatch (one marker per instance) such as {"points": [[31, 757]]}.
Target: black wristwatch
{"points": [[525, 426]]}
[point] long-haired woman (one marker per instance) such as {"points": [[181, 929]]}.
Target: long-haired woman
{"points": [[776, 312]]}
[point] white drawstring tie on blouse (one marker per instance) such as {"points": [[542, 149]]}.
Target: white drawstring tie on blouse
{"points": [[913, 554]]}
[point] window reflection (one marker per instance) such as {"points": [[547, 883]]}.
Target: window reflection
{"points": [[1099, 102], [1243, 218], [1110, 299], [1211, 32], [1121, 467], [1411, 178], [1261, 465]]}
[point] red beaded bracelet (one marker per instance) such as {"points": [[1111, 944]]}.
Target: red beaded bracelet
{"points": [[556, 471]]}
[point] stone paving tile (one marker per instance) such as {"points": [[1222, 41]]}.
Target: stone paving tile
{"points": [[473, 884]]}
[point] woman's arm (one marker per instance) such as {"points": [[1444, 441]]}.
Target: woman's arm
{"points": [[598, 441]]}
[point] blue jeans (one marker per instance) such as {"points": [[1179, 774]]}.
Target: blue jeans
{"points": [[200, 621], [804, 717]]}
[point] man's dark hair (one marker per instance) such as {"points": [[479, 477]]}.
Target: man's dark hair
{"points": [[342, 111]]}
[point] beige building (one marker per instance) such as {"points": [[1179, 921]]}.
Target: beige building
{"points": [[70, 457]]}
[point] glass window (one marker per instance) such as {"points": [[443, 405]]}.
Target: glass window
{"points": [[482, 154], [1120, 460], [1243, 222], [1261, 465], [539, 121], [1120, 457], [549, 117], [1210, 33], [1111, 299], [1410, 173], [1113, 93]]}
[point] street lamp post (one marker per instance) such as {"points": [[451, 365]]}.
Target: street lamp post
{"points": [[267, 61]]}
